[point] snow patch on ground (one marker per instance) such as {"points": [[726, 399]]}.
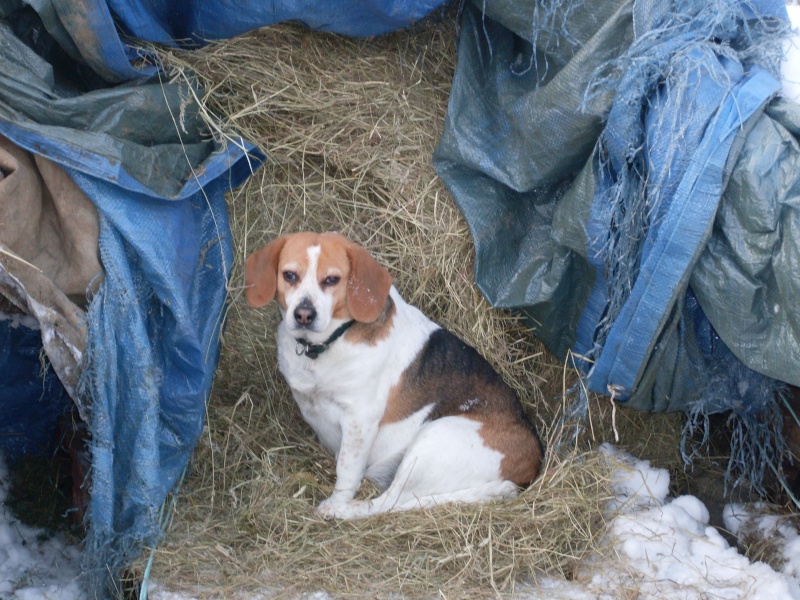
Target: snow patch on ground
{"points": [[32, 567], [664, 547], [758, 522]]}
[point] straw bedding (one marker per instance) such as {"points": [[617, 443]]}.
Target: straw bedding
{"points": [[349, 127]]}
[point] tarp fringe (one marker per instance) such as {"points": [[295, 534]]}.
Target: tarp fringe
{"points": [[699, 34]]}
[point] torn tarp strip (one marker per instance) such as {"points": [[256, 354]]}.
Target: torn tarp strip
{"points": [[664, 273]]}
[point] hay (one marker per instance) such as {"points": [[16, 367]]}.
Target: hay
{"points": [[764, 536], [349, 127], [263, 530]]}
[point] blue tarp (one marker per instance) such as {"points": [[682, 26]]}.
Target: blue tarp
{"points": [[154, 323], [608, 158], [75, 92], [198, 21], [27, 425], [553, 149]]}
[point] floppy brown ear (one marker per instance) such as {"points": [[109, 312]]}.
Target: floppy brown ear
{"points": [[367, 286], [260, 273]]}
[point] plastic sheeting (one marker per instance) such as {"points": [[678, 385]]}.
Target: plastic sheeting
{"points": [[28, 425], [590, 169], [143, 156], [87, 29], [631, 182], [77, 95]]}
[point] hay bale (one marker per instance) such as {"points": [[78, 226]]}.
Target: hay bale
{"points": [[349, 127]]}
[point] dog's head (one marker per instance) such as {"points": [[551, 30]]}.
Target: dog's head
{"points": [[319, 281]]}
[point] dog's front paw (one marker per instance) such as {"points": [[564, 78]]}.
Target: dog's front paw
{"points": [[340, 508], [328, 508]]}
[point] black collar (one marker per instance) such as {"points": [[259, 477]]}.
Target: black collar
{"points": [[314, 350]]}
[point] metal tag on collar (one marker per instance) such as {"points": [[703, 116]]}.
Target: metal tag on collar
{"points": [[314, 350], [304, 348]]}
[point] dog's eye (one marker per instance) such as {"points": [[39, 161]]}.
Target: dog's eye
{"points": [[331, 280], [290, 277]]}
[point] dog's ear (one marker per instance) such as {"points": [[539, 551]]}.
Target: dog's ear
{"points": [[261, 272], [367, 286]]}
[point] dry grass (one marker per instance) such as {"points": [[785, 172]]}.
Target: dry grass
{"points": [[349, 128], [263, 530], [764, 536]]}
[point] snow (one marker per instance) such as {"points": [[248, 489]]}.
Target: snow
{"points": [[665, 547], [790, 67], [759, 522], [31, 567]]}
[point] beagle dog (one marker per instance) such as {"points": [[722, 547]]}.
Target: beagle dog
{"points": [[393, 396]]}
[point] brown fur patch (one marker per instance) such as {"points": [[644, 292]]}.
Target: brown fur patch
{"points": [[368, 285], [459, 382], [400, 405], [378, 330], [404, 400], [521, 448], [260, 270]]}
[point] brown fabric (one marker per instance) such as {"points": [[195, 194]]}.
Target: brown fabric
{"points": [[48, 253]]}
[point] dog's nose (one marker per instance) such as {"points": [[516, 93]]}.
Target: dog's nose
{"points": [[305, 313]]}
